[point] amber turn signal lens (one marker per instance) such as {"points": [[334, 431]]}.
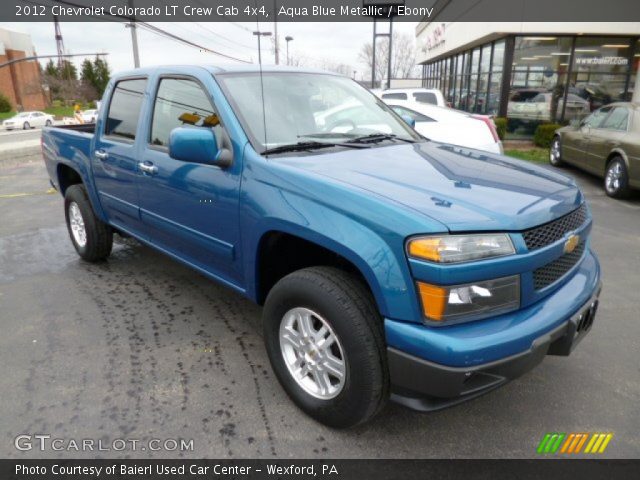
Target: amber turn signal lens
{"points": [[434, 301], [427, 248]]}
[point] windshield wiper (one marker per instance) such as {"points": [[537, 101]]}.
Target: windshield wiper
{"points": [[379, 137], [299, 146]]}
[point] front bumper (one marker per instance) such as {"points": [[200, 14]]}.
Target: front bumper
{"points": [[425, 386]]}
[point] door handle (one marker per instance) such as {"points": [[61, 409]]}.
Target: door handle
{"points": [[101, 154], [148, 167]]}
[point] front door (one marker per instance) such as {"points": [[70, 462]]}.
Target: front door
{"points": [[114, 160], [576, 142], [189, 209]]}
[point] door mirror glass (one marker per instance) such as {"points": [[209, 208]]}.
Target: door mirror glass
{"points": [[198, 145]]}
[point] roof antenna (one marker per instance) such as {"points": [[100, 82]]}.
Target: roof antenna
{"points": [[259, 34]]}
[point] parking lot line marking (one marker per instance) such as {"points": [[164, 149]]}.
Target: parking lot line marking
{"points": [[27, 194]]}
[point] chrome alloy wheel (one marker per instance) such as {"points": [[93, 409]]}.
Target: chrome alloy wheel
{"points": [[613, 178], [554, 151], [312, 353], [76, 221]]}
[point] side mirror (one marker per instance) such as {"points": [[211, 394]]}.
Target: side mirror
{"points": [[409, 121], [198, 145]]}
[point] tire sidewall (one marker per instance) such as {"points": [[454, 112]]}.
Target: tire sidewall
{"points": [[71, 197], [336, 410]]}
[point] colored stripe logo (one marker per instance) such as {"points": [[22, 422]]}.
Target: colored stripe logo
{"points": [[574, 443]]}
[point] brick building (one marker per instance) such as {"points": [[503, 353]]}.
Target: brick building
{"points": [[20, 82]]}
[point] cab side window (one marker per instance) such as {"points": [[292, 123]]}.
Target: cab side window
{"points": [[124, 109], [617, 120], [180, 102], [394, 96]]}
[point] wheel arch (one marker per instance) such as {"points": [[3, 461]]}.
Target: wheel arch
{"points": [[282, 250]]}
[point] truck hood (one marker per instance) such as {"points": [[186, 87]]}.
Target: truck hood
{"points": [[461, 188]]}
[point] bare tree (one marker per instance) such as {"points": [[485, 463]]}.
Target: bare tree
{"points": [[403, 63]]}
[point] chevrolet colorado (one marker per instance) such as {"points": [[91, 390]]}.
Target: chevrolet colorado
{"points": [[389, 266]]}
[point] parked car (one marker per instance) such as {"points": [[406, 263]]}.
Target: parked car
{"points": [[447, 125], [27, 120], [89, 116], [386, 263], [607, 144], [540, 108], [431, 96]]}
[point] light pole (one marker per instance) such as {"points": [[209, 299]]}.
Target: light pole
{"points": [[260, 34], [288, 38]]}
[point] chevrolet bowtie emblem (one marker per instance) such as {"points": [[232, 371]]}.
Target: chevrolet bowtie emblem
{"points": [[571, 243]]}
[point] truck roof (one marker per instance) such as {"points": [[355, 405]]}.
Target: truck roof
{"points": [[221, 69]]}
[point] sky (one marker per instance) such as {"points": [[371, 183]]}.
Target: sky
{"points": [[335, 42]]}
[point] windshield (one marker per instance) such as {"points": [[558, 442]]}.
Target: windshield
{"points": [[308, 106], [22, 115]]}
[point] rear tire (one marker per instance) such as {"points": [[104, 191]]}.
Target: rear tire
{"points": [[92, 238], [47, 123], [338, 304], [616, 179], [555, 152]]}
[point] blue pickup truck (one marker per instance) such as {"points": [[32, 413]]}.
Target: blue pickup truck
{"points": [[389, 266]]}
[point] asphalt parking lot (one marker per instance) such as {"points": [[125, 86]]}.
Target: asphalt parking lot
{"points": [[141, 347]]}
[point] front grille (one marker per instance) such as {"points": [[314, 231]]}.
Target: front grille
{"points": [[548, 233], [553, 271]]}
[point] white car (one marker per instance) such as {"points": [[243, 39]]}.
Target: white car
{"points": [[538, 108], [27, 120], [447, 125], [89, 116], [431, 96]]}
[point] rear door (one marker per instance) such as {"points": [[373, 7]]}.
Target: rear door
{"points": [[604, 138], [189, 209], [114, 159]]}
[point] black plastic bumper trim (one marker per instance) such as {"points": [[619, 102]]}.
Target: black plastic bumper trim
{"points": [[425, 386]]}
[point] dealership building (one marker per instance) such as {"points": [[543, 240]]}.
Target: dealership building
{"points": [[530, 72]]}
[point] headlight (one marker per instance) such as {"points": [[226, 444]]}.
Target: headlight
{"points": [[470, 301], [460, 248]]}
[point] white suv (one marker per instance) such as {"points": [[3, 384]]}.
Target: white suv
{"points": [[432, 96]]}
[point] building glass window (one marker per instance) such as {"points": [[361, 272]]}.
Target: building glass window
{"points": [[600, 68], [540, 66], [495, 87]]}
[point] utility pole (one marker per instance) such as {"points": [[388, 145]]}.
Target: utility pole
{"points": [[275, 30], [134, 40], [59, 42]]}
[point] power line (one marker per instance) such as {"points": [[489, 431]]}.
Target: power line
{"points": [[160, 31]]}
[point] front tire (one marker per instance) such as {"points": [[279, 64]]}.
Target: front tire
{"points": [[26, 126], [555, 152], [616, 179], [92, 238], [324, 338]]}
